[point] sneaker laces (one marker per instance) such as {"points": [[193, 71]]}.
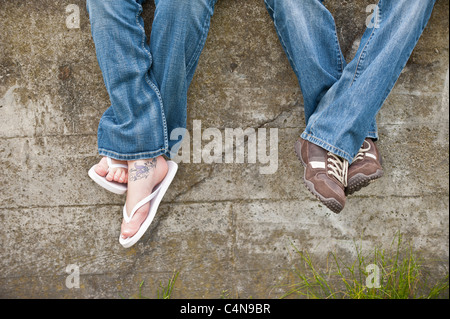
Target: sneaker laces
{"points": [[362, 151], [338, 168]]}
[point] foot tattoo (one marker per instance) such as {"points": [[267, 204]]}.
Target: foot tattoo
{"points": [[142, 171]]}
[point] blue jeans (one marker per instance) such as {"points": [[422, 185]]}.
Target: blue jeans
{"points": [[342, 100], [147, 83]]}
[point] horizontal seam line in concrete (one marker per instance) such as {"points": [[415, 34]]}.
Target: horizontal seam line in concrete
{"points": [[109, 274], [49, 135], [430, 262], [380, 124], [226, 201]]}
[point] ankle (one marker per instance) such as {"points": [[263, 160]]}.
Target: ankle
{"points": [[155, 168]]}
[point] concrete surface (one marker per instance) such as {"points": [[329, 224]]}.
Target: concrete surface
{"points": [[222, 226]]}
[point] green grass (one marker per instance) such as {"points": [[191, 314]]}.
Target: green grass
{"points": [[163, 291], [401, 276]]}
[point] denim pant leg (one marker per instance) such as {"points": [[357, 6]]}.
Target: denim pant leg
{"points": [[307, 32], [179, 32], [147, 84], [345, 114]]}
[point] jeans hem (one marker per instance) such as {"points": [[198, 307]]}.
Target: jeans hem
{"points": [[327, 146], [133, 157], [373, 135]]}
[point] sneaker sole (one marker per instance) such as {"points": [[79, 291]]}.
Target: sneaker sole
{"points": [[360, 180], [330, 203]]}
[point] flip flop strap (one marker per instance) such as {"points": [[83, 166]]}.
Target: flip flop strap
{"points": [[111, 165], [138, 205]]}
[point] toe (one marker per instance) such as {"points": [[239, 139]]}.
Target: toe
{"points": [[124, 176], [102, 167], [110, 176], [130, 229], [113, 174], [117, 175], [121, 174]]}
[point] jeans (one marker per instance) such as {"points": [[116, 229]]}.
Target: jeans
{"points": [[341, 99], [147, 83]]}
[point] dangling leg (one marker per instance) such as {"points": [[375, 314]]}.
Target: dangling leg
{"points": [[307, 32], [346, 114]]}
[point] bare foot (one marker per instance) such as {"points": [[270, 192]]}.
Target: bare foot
{"points": [[143, 176], [119, 175]]}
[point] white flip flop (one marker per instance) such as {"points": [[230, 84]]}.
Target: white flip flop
{"points": [[115, 187], [154, 198]]}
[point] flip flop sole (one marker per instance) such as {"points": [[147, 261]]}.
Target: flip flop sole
{"points": [[114, 187]]}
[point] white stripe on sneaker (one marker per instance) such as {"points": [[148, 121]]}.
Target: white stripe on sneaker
{"points": [[317, 164]]}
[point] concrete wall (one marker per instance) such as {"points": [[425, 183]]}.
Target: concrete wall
{"points": [[222, 226]]}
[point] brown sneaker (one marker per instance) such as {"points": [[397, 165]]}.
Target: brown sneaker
{"points": [[325, 174], [365, 168]]}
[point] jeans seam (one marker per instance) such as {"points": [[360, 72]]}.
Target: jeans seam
{"points": [[358, 64], [283, 43], [99, 130], [339, 52], [340, 63], [202, 40], [388, 90], [339, 59], [150, 83], [363, 51]]}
